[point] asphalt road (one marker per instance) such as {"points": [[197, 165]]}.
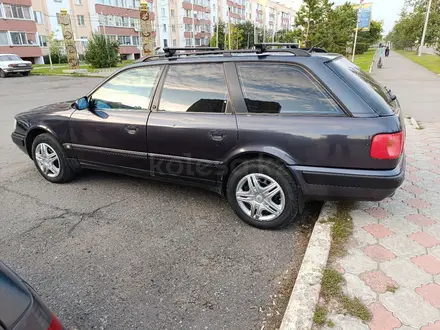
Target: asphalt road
{"points": [[114, 252]]}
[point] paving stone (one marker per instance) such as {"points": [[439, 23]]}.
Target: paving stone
{"points": [[378, 253], [433, 212], [400, 225], [424, 239], [417, 203], [405, 327], [355, 287], [409, 307], [405, 273], [378, 230], [432, 326], [420, 219], [431, 293], [403, 194], [344, 322], [402, 246], [428, 263], [356, 262], [437, 279], [435, 251], [378, 281], [382, 318], [411, 177], [361, 238], [430, 197], [362, 218], [433, 230], [377, 212], [397, 208]]}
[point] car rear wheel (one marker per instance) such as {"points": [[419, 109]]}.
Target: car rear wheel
{"points": [[50, 160], [263, 194], [25, 74], [3, 74]]}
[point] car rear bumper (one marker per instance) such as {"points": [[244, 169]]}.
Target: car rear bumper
{"points": [[19, 140], [319, 183]]}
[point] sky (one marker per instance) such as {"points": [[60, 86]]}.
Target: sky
{"points": [[386, 10]]}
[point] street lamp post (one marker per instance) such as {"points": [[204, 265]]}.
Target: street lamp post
{"points": [[425, 28], [357, 30]]}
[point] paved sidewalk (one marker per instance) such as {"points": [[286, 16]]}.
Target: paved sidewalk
{"points": [[416, 87]]}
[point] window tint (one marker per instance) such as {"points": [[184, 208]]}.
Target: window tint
{"points": [[194, 88], [130, 89], [278, 88]]}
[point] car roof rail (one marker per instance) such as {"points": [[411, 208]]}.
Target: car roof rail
{"points": [[290, 48], [315, 49], [170, 52]]}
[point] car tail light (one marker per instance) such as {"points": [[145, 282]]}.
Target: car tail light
{"points": [[55, 324], [387, 146]]}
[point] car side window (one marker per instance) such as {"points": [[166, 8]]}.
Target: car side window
{"points": [[130, 90], [195, 88], [281, 88]]}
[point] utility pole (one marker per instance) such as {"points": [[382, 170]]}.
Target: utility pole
{"points": [[357, 29], [229, 27], [248, 40], [216, 35], [255, 33], [425, 28], [193, 25]]}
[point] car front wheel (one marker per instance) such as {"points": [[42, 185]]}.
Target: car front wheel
{"points": [[50, 160], [3, 74], [263, 194], [25, 74]]}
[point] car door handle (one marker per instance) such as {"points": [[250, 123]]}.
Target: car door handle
{"points": [[217, 135], [131, 129]]}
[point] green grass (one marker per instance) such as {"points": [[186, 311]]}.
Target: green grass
{"points": [[364, 60], [356, 308], [430, 62], [341, 230], [44, 69], [320, 316]]}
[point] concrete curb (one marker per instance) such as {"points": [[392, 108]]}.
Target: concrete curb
{"points": [[305, 294], [414, 123]]}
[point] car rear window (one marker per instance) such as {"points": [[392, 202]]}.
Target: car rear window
{"points": [[9, 58], [365, 85]]}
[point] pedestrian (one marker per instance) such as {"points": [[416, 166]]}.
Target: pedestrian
{"points": [[379, 63], [387, 51]]}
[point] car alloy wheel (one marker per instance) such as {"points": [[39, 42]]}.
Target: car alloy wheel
{"points": [[2, 74], [260, 197], [47, 160]]}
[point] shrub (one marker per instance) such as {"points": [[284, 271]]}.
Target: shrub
{"points": [[101, 52], [361, 47]]}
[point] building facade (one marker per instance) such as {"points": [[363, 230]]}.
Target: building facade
{"points": [[27, 25]]}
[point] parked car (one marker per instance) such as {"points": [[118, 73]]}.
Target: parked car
{"points": [[20, 306], [11, 63], [267, 128]]}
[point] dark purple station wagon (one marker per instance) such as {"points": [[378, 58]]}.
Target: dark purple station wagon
{"points": [[268, 128]]}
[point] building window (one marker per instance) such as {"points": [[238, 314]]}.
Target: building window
{"points": [[188, 42], [165, 43], [174, 42], [17, 12], [162, 12], [58, 18], [19, 38], [164, 28], [78, 2], [188, 27], [38, 17], [173, 28], [42, 40], [187, 13], [124, 40], [135, 40], [172, 12], [81, 20], [1, 11], [4, 38]]}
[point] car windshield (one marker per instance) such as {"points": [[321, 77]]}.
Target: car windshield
{"points": [[10, 58]]}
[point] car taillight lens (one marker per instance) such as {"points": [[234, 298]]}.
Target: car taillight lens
{"points": [[387, 146], [55, 324]]}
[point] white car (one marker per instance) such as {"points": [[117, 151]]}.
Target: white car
{"points": [[11, 63]]}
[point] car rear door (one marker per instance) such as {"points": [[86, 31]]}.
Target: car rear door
{"points": [[193, 127], [112, 132]]}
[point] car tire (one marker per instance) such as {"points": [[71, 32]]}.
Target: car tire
{"points": [[50, 159], [25, 73], [256, 206], [3, 74]]}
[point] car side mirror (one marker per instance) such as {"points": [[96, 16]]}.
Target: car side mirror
{"points": [[82, 103]]}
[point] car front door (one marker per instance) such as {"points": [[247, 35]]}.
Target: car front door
{"points": [[112, 132], [192, 128]]}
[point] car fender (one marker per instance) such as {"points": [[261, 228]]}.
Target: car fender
{"points": [[270, 151]]}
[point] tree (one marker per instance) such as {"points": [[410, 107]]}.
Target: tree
{"points": [[101, 52], [373, 35], [288, 36], [55, 49], [221, 35]]}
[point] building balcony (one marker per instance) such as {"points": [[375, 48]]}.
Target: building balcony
{"points": [[119, 11], [202, 35], [128, 49], [188, 20], [189, 6], [22, 25], [22, 50]]}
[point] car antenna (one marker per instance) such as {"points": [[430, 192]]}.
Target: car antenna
{"points": [[314, 46]]}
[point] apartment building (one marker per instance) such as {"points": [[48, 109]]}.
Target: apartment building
{"points": [[25, 25]]}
